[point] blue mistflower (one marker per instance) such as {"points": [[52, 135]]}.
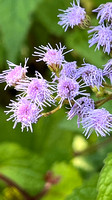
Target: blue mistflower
{"points": [[69, 69], [24, 112], [51, 56], [38, 90], [14, 74], [102, 37], [108, 70], [104, 12], [72, 16], [99, 120], [81, 108], [91, 75], [68, 89]]}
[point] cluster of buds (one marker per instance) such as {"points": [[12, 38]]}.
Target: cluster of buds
{"points": [[69, 82]]}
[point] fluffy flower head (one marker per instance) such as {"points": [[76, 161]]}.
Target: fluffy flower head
{"points": [[81, 108], [102, 37], [38, 90], [69, 69], [91, 75], [99, 120], [68, 89], [24, 112], [108, 70], [49, 55], [104, 12], [13, 75], [72, 16]]}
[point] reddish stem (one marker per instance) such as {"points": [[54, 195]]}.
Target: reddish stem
{"points": [[13, 184]]}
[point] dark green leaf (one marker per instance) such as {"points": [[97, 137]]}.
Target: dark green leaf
{"points": [[15, 20], [47, 14], [23, 167], [78, 40], [53, 143], [47, 139], [70, 125]]}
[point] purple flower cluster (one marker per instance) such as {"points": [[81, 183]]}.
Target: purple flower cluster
{"points": [[69, 82], [49, 55], [73, 16], [25, 112], [99, 120], [91, 75], [103, 32], [13, 75], [81, 108], [104, 12], [107, 71], [35, 93]]}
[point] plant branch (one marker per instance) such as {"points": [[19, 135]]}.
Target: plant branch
{"points": [[93, 147], [101, 102], [51, 112], [107, 85], [43, 192], [50, 180], [9, 182]]}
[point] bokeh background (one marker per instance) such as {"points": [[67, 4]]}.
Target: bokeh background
{"points": [[56, 154]]}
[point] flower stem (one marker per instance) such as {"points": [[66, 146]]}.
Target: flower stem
{"points": [[9, 182], [51, 112], [107, 85], [101, 102], [93, 148]]}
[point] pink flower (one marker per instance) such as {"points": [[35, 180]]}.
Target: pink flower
{"points": [[13, 75], [37, 89], [51, 56], [24, 112]]}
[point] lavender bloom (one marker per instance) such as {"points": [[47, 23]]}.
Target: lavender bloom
{"points": [[38, 90], [72, 16], [99, 120], [102, 37], [69, 69], [81, 108], [68, 89], [51, 56], [108, 70], [13, 75], [104, 12], [91, 75], [24, 112]]}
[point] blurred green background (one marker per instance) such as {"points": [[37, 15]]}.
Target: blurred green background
{"points": [[25, 157]]}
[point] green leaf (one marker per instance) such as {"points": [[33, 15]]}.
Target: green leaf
{"points": [[70, 125], [53, 143], [69, 179], [105, 180], [7, 133], [23, 167], [2, 197], [15, 20], [86, 191], [78, 40], [97, 3], [47, 139], [47, 15]]}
